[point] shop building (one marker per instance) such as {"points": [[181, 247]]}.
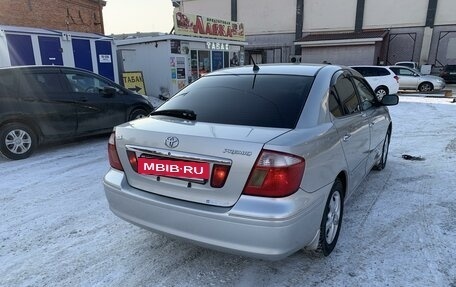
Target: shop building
{"points": [[169, 62]]}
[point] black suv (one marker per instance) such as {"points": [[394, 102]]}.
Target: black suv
{"points": [[47, 103], [449, 73]]}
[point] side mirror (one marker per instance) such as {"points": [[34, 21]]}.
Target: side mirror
{"points": [[109, 91], [390, 100]]}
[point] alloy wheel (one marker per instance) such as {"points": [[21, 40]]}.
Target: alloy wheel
{"points": [[333, 218], [18, 141]]}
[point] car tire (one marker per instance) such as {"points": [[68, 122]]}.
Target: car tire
{"points": [[17, 141], [425, 87], [382, 163], [332, 219], [380, 92], [137, 114]]}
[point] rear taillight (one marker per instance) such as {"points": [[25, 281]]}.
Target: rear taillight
{"points": [[114, 160], [275, 174], [396, 78]]}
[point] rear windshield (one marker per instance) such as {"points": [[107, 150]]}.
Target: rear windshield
{"points": [[251, 100]]}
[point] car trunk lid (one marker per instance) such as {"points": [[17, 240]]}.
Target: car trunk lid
{"points": [[178, 143]]}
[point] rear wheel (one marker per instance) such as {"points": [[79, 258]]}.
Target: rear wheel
{"points": [[380, 92], [17, 141], [137, 114], [382, 163], [425, 87], [332, 219]]}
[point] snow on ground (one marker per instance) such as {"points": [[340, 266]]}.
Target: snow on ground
{"points": [[398, 230]]}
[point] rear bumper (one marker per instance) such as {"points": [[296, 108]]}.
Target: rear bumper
{"points": [[256, 227]]}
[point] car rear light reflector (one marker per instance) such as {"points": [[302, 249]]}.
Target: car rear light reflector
{"points": [[114, 160], [396, 78], [219, 175], [275, 174]]}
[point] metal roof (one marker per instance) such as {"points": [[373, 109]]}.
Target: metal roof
{"points": [[165, 37]]}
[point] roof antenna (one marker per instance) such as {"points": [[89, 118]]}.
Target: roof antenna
{"points": [[255, 66]]}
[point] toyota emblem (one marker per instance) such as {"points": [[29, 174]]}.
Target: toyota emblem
{"points": [[172, 142]]}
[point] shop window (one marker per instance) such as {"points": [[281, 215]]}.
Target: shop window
{"points": [[217, 60], [204, 63], [194, 65]]}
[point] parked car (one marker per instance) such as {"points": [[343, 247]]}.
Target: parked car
{"points": [[449, 73], [46, 103], [409, 64], [382, 80], [256, 161], [411, 79]]}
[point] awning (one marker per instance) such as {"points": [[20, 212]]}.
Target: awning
{"points": [[342, 39]]}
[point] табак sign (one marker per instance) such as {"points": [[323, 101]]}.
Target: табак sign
{"points": [[134, 81]]}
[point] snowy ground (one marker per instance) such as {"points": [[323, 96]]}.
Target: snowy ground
{"points": [[399, 227]]}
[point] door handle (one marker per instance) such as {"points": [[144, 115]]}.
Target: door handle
{"points": [[346, 137], [371, 124]]}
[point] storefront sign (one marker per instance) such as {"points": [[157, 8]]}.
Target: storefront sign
{"points": [[217, 46], [134, 81], [196, 25]]}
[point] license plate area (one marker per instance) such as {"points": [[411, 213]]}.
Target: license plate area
{"points": [[181, 169]]}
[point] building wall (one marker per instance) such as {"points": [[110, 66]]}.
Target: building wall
{"points": [[328, 15], [267, 16], [220, 9], [446, 12], [69, 15], [404, 44], [443, 47], [393, 13], [156, 55], [342, 55]]}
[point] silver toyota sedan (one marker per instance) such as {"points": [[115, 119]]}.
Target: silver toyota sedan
{"points": [[255, 160]]}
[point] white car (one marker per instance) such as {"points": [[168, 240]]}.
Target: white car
{"points": [[411, 79], [382, 80]]}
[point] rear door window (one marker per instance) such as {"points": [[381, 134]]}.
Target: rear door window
{"points": [[252, 100], [403, 72], [347, 95], [381, 71], [81, 83], [365, 94], [43, 83]]}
